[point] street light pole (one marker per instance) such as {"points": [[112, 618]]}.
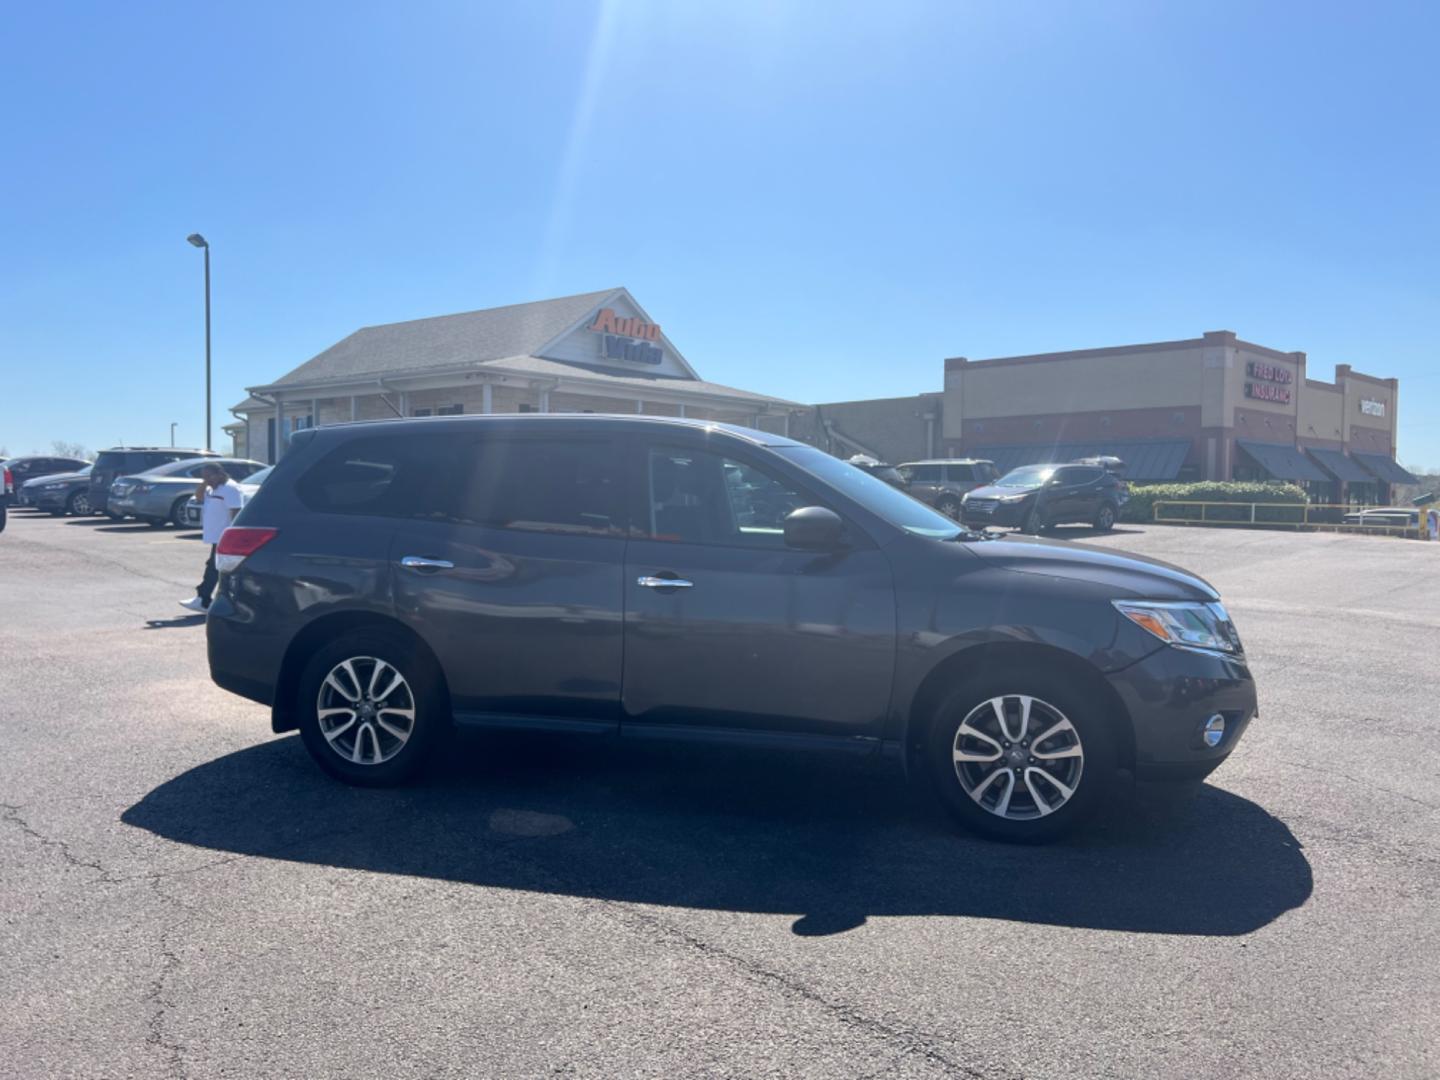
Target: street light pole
{"points": [[200, 242], [172, 432]]}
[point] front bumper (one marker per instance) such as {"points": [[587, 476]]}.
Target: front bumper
{"points": [[121, 504], [1169, 696], [1004, 515], [49, 500]]}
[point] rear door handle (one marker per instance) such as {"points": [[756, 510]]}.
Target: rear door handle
{"points": [[421, 564], [648, 582]]}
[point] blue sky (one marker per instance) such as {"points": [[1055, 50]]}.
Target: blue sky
{"points": [[818, 200]]}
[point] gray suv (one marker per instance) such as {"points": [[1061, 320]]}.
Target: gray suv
{"points": [[644, 578], [943, 482]]}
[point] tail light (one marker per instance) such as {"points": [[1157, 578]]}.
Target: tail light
{"points": [[237, 542], [9, 485]]}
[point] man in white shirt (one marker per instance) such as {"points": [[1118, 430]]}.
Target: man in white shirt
{"points": [[219, 503]]}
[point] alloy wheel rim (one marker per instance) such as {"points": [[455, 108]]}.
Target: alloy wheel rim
{"points": [[82, 504], [366, 710], [1018, 757]]}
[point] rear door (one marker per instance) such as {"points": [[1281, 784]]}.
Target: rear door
{"points": [[925, 481], [510, 568], [1077, 493], [752, 635]]}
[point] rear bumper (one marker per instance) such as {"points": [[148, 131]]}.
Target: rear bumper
{"points": [[1170, 695], [244, 658]]}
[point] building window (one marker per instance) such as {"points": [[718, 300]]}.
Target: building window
{"points": [[524, 407], [421, 412], [450, 410]]}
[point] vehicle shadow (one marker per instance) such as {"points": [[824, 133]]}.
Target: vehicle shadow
{"points": [[833, 841], [1086, 532]]}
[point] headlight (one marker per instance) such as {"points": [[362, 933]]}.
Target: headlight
{"points": [[1186, 626], [1015, 498]]}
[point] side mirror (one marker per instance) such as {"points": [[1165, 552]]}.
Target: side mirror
{"points": [[814, 528]]}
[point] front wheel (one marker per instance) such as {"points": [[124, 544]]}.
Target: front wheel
{"points": [[371, 708], [1021, 755], [78, 504], [949, 506], [177, 512], [1105, 517], [1035, 522]]}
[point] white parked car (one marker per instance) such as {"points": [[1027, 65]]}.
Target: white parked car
{"points": [[248, 487]]}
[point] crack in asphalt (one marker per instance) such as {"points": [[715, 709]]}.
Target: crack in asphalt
{"points": [[158, 998], [896, 1036], [1309, 767], [11, 813]]}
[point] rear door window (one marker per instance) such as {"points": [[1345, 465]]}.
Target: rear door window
{"points": [[959, 473], [551, 485], [925, 474]]}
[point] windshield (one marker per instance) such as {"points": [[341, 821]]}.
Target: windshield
{"points": [[1026, 476], [874, 494], [259, 476]]}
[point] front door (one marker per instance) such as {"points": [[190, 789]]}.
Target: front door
{"points": [[752, 634]]}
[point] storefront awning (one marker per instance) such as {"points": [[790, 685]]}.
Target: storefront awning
{"points": [[1338, 465], [1282, 461], [1385, 468], [1145, 459]]}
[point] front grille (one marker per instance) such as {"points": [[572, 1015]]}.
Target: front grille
{"points": [[982, 506]]}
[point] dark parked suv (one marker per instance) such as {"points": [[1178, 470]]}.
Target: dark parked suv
{"points": [[672, 579], [1034, 498], [121, 461]]}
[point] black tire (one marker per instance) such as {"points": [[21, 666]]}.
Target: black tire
{"points": [[153, 522], [948, 505], [1105, 517], [4, 514], [426, 696], [1057, 693], [78, 504], [177, 512], [113, 516], [1035, 522]]}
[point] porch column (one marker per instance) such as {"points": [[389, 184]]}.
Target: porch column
{"points": [[487, 399], [682, 412], [785, 424], [282, 437], [404, 403], [544, 400], [639, 406]]}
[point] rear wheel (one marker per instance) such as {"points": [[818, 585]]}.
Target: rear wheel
{"points": [[1021, 755], [78, 504], [1105, 517], [371, 708], [177, 512]]}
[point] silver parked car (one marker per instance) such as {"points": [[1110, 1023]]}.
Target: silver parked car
{"points": [[159, 495]]}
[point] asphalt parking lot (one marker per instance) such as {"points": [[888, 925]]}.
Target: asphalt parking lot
{"points": [[184, 894]]}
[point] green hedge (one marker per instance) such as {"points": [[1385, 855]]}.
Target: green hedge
{"points": [[1144, 496]]}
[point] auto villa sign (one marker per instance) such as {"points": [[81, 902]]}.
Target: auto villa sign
{"points": [[627, 339], [1268, 382]]}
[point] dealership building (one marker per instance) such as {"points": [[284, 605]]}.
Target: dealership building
{"points": [[597, 352], [1207, 408]]}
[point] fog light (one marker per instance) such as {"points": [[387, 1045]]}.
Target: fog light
{"points": [[1214, 730]]}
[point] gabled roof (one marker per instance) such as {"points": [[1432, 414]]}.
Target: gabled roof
{"points": [[447, 340]]}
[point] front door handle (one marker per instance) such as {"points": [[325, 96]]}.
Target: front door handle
{"points": [[421, 564], [648, 582]]}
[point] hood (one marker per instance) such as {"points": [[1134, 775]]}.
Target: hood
{"points": [[1129, 576], [994, 491]]}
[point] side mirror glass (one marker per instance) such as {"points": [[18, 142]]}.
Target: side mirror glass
{"points": [[814, 528]]}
